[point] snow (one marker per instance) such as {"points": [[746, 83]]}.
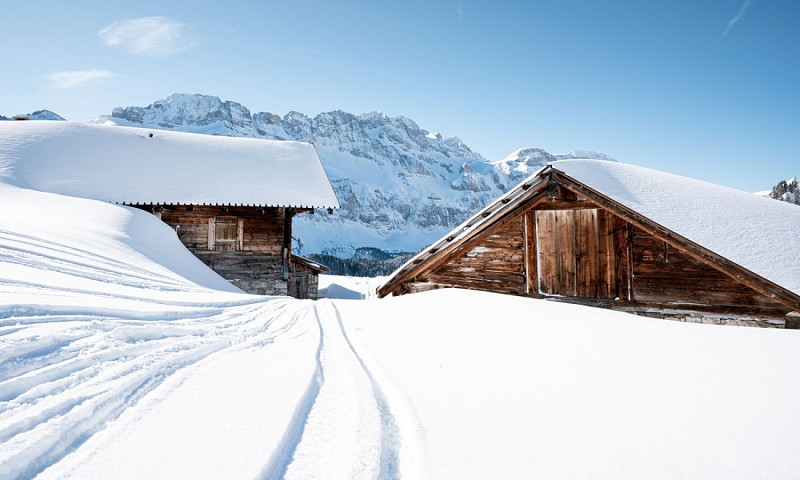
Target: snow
{"points": [[127, 165], [348, 288], [758, 233], [507, 387], [122, 356]]}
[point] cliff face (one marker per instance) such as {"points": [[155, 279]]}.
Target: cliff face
{"points": [[787, 191]]}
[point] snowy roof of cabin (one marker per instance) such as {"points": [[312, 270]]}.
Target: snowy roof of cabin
{"points": [[127, 165], [760, 234]]}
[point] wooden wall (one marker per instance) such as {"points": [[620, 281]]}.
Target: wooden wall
{"points": [[496, 264], [259, 274], [244, 245], [209, 228], [665, 276], [590, 253]]}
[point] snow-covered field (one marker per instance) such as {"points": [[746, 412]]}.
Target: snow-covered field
{"points": [[122, 356]]}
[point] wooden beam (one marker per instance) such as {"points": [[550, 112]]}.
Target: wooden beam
{"points": [[240, 234], [683, 244], [531, 253], [211, 233], [548, 204]]}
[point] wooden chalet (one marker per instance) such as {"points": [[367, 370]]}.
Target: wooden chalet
{"points": [[229, 200], [249, 246], [624, 237], [242, 228]]}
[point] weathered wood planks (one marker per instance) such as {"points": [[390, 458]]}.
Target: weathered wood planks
{"points": [[248, 246]]}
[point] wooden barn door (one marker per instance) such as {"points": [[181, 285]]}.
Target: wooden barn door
{"points": [[575, 256]]}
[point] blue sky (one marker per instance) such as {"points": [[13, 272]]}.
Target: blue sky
{"points": [[706, 89]]}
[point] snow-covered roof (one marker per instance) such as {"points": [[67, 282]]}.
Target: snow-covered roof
{"points": [[757, 233], [760, 234], [134, 165]]}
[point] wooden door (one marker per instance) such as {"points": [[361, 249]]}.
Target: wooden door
{"points": [[573, 257], [225, 233]]}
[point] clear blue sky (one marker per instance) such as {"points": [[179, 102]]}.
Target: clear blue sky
{"points": [[708, 89]]}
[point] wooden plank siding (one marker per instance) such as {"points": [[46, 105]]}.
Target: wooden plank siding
{"points": [[576, 253], [665, 275], [606, 255], [587, 270], [590, 253], [531, 255], [496, 264], [248, 246], [238, 228], [549, 259]]}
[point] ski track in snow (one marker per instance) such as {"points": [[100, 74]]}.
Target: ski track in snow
{"points": [[68, 376], [350, 430], [55, 257], [64, 378], [62, 384], [390, 435], [282, 455]]}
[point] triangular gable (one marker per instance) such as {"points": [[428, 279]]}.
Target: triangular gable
{"points": [[551, 183]]}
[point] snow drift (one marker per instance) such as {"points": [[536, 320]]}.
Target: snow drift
{"points": [[121, 356]]}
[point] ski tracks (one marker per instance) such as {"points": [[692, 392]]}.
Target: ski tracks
{"points": [[348, 422], [351, 431], [58, 389]]}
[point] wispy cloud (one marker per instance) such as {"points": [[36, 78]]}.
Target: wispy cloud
{"points": [[460, 12], [74, 78], [738, 16], [148, 36]]}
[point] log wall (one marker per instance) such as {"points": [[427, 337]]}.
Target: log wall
{"points": [[590, 253], [496, 264], [244, 245], [248, 229], [255, 273], [662, 275]]}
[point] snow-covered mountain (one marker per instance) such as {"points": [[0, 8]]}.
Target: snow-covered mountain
{"points": [[37, 115], [525, 161], [787, 191], [400, 186]]}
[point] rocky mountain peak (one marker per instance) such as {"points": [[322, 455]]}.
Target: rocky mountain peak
{"points": [[37, 115], [400, 186], [787, 191]]}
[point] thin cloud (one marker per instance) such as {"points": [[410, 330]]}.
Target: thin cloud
{"points": [[460, 12], [738, 16], [75, 78], [146, 36]]}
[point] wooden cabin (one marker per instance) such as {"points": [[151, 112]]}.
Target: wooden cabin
{"points": [[580, 231], [242, 226], [229, 200], [250, 247]]}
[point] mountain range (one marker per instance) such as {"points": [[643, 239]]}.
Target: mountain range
{"points": [[37, 115], [400, 186]]}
